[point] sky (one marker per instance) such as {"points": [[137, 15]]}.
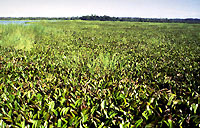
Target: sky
{"points": [[117, 8]]}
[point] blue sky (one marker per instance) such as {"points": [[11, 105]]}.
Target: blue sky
{"points": [[118, 8]]}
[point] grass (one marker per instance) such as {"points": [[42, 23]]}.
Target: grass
{"points": [[19, 36], [100, 74]]}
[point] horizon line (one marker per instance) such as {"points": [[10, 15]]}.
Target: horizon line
{"points": [[96, 15]]}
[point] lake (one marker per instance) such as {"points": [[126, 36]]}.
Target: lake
{"points": [[14, 22]]}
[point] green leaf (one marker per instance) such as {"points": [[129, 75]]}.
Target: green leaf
{"points": [[102, 124], [151, 125], [78, 102], [51, 106], [171, 99], [2, 124], [35, 123], [194, 107], [93, 109], [84, 117], [59, 123], [145, 114], [55, 112], [138, 123], [64, 111], [170, 123], [23, 124], [160, 109]]}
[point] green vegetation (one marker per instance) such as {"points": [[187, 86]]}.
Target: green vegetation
{"points": [[100, 74], [19, 36]]}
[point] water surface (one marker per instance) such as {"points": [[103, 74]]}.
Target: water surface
{"points": [[15, 22]]}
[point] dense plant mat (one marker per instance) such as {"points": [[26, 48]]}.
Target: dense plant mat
{"points": [[100, 74]]}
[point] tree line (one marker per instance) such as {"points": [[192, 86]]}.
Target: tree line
{"points": [[135, 19], [108, 18]]}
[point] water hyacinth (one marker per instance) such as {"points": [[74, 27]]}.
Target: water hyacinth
{"points": [[99, 74]]}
